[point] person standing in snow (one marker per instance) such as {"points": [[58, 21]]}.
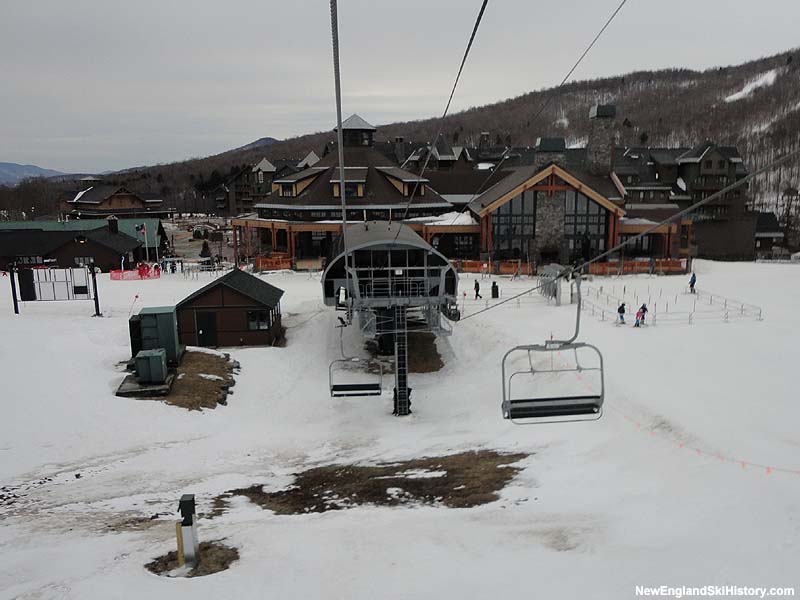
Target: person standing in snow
{"points": [[621, 313], [643, 310], [639, 318], [692, 281], [477, 290]]}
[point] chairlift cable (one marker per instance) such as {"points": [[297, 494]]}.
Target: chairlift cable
{"points": [[545, 104], [649, 230], [444, 114]]}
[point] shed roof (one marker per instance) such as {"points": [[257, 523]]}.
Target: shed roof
{"points": [[244, 283]]}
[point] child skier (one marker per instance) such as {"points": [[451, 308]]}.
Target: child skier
{"points": [[621, 313], [477, 290], [643, 310], [692, 281], [639, 318]]}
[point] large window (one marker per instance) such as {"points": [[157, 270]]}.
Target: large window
{"points": [[287, 190], [513, 226], [585, 226]]}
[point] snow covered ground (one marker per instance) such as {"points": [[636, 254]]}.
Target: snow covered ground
{"points": [[692, 477]]}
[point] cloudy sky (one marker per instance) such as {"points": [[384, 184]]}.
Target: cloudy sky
{"points": [[92, 85]]}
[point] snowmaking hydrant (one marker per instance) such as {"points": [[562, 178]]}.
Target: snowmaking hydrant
{"points": [[186, 532]]}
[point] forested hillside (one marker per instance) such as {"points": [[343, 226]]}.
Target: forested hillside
{"points": [[755, 106]]}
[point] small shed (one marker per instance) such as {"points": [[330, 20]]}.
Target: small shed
{"points": [[238, 309]]}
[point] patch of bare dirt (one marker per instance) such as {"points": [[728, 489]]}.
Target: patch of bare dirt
{"points": [[202, 380], [455, 481], [423, 357], [214, 557]]}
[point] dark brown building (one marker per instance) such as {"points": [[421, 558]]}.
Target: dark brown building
{"points": [[238, 309], [105, 247], [100, 201]]}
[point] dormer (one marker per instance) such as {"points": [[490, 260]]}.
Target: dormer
{"points": [[293, 185], [404, 181], [355, 182], [357, 132]]}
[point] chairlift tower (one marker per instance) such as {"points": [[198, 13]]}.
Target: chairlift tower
{"points": [[388, 276]]}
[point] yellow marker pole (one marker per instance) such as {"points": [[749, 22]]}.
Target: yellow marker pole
{"points": [[180, 543]]}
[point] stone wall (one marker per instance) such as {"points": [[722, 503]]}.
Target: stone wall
{"points": [[549, 236]]}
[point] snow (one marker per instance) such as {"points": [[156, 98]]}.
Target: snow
{"points": [[696, 455], [635, 221], [450, 218], [763, 80], [79, 194]]}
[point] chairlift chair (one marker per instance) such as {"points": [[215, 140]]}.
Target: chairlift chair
{"points": [[341, 389], [524, 409]]}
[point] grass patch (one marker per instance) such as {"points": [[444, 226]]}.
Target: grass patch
{"points": [[194, 392], [455, 481]]}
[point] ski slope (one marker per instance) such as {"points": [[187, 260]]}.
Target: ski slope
{"points": [[692, 476]]}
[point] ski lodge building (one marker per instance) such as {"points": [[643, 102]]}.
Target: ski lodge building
{"points": [[543, 204]]}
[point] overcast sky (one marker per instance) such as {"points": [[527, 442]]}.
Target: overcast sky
{"points": [[91, 85]]}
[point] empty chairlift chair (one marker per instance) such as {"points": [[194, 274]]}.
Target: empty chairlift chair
{"points": [[579, 404], [341, 389]]}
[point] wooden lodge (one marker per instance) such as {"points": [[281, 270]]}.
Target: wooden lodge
{"points": [[238, 309]]}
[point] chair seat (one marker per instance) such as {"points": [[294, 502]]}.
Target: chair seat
{"points": [[563, 406], [356, 389]]}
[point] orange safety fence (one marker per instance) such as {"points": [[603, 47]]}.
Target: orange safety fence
{"points": [[501, 267], [272, 263], [629, 267]]}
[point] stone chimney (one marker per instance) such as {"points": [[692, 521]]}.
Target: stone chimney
{"points": [[600, 148], [400, 148], [485, 140], [549, 150], [113, 224]]}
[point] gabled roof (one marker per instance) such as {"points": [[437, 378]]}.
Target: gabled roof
{"points": [[526, 177], [244, 283], [767, 222], [309, 161], [98, 194], [356, 122], [265, 166], [378, 191]]}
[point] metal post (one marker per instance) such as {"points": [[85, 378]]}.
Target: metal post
{"points": [[339, 133], [97, 312], [12, 270]]}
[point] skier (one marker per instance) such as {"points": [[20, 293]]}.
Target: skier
{"points": [[692, 281], [621, 313], [639, 318], [643, 310], [477, 290]]}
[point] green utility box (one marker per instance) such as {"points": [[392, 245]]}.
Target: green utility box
{"points": [[151, 366], [156, 327]]}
